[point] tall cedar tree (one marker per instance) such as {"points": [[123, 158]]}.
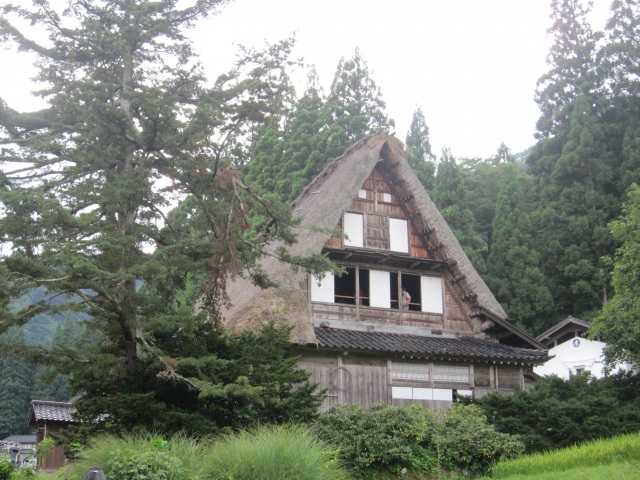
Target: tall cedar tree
{"points": [[16, 384], [618, 60], [572, 67], [513, 272], [419, 154], [482, 179], [86, 182], [450, 197], [355, 106], [286, 158], [619, 321], [575, 167]]}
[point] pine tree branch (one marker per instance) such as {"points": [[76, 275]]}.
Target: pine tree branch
{"points": [[169, 373]]}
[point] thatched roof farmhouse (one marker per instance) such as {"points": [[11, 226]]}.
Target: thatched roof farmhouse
{"points": [[354, 332]]}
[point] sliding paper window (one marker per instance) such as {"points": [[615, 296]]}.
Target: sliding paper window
{"points": [[379, 288]]}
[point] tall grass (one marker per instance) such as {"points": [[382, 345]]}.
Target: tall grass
{"points": [[179, 457], [274, 453], [268, 453], [613, 471], [624, 449]]}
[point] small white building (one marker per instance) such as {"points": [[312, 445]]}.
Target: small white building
{"points": [[571, 352]]}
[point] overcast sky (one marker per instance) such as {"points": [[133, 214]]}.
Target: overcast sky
{"points": [[471, 65]]}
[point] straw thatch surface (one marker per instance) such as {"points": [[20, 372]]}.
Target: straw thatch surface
{"points": [[321, 205]]}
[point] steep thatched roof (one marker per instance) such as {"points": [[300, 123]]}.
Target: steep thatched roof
{"points": [[321, 205]]}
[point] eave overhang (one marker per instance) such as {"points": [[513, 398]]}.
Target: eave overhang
{"points": [[510, 329], [467, 349], [371, 257]]}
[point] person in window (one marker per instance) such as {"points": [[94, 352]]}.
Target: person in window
{"points": [[406, 299]]}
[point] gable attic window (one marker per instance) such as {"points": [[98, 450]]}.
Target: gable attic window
{"points": [[398, 235], [379, 289], [354, 229], [376, 231]]}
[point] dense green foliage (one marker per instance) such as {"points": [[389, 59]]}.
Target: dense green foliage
{"points": [[619, 322], [6, 469], [574, 462], [22, 381], [572, 181], [384, 437], [513, 264], [217, 382], [580, 162], [285, 157], [558, 413], [454, 200]]}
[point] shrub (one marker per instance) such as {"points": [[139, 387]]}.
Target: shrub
{"points": [[465, 441], [24, 474], [381, 436], [135, 466], [5, 469], [558, 413], [393, 438], [274, 453]]}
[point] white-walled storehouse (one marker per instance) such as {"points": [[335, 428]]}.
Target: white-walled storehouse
{"points": [[571, 351]]}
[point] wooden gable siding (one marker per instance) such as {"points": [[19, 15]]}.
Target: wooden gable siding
{"points": [[364, 379], [454, 317], [377, 212]]}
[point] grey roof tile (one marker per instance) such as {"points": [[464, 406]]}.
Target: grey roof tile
{"points": [[467, 347], [53, 411]]}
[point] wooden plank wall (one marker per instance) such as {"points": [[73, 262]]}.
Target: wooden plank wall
{"points": [[367, 381], [323, 369], [364, 379], [509, 377]]}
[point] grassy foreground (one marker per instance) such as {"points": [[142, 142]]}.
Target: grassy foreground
{"points": [[614, 458], [286, 452]]}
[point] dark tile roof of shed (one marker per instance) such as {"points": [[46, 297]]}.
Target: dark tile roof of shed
{"points": [[20, 439], [467, 347], [52, 411]]}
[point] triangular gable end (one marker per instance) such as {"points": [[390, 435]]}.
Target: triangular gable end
{"points": [[374, 179]]}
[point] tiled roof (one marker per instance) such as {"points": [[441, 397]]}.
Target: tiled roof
{"points": [[20, 439], [570, 321], [53, 411], [466, 347]]}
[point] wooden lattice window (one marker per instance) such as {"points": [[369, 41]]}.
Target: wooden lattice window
{"points": [[451, 373], [410, 372]]}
